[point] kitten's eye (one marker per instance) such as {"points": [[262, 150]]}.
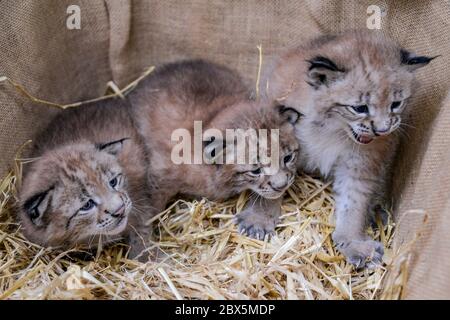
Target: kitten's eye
{"points": [[288, 158], [361, 109], [113, 182], [256, 172], [395, 105], [88, 205]]}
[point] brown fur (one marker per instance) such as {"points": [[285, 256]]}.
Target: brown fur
{"points": [[70, 168], [178, 94]]}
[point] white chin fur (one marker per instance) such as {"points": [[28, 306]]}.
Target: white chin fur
{"points": [[272, 195]]}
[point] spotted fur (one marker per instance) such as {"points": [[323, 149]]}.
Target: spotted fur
{"points": [[178, 94], [87, 180], [352, 90]]}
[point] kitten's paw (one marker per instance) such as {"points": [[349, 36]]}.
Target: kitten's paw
{"points": [[137, 253], [255, 224], [138, 249], [362, 253]]}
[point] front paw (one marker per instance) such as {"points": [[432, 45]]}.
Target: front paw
{"points": [[138, 248], [255, 224], [361, 253], [137, 252]]}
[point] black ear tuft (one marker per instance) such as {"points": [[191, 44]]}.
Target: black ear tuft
{"points": [[322, 62], [289, 114], [113, 147], [322, 70], [209, 145], [33, 206], [412, 61], [213, 150]]}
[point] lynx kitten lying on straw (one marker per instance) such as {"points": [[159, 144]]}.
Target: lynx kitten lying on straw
{"points": [[352, 90], [177, 95], [87, 181], [91, 175]]}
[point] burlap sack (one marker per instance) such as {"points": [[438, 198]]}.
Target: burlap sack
{"points": [[119, 39]]}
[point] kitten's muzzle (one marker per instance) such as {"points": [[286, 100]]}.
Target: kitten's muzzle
{"points": [[118, 213], [381, 131], [361, 139], [279, 188], [280, 181]]}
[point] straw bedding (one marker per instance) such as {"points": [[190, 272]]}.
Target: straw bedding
{"points": [[204, 257]]}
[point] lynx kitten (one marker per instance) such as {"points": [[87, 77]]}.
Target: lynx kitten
{"points": [[88, 180], [178, 94], [352, 90]]}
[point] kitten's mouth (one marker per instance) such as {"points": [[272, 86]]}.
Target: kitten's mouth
{"points": [[122, 218], [119, 225], [273, 194], [361, 139]]}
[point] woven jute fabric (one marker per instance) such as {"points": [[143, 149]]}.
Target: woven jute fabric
{"points": [[119, 39]]}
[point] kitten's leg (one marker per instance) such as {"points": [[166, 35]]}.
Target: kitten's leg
{"points": [[138, 240], [353, 189], [140, 231], [380, 203], [259, 218]]}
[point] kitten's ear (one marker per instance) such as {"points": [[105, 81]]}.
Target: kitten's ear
{"points": [[36, 205], [322, 71], [413, 62], [113, 147], [289, 114], [213, 150]]}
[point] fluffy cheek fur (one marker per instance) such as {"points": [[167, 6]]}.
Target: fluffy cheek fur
{"points": [[381, 119], [87, 225], [62, 216], [63, 227], [364, 126], [363, 129]]}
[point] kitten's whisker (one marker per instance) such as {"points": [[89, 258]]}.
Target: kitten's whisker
{"points": [[407, 125], [141, 208], [403, 132], [91, 239], [255, 195]]}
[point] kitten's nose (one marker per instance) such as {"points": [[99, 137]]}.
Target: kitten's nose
{"points": [[277, 187], [381, 130]]}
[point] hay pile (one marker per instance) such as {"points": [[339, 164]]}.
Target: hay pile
{"points": [[206, 257]]}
